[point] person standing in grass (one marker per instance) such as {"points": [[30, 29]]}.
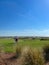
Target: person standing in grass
{"points": [[16, 39]]}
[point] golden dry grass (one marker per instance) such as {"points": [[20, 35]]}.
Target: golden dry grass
{"points": [[31, 56]]}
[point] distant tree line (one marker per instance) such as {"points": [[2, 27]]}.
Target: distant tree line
{"points": [[44, 38]]}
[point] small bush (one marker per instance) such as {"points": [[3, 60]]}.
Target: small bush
{"points": [[27, 57], [32, 57], [46, 53], [18, 51], [38, 58]]}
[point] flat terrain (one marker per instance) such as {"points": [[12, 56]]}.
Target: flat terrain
{"points": [[8, 53], [9, 44]]}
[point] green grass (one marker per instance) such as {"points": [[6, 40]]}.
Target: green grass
{"points": [[33, 43], [8, 45]]}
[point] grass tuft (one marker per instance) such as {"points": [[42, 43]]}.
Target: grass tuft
{"points": [[31, 56]]}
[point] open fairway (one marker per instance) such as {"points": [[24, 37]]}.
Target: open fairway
{"points": [[9, 45]]}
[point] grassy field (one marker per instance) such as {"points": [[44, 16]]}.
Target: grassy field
{"points": [[9, 45], [28, 51]]}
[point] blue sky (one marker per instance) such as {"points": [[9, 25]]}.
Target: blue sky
{"points": [[24, 17]]}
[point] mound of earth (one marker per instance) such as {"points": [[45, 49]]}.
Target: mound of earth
{"points": [[7, 55], [7, 58]]}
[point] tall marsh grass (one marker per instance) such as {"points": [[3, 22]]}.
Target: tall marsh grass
{"points": [[31, 56]]}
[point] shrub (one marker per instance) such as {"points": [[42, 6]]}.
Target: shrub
{"points": [[46, 53], [27, 57], [38, 58], [18, 51], [32, 57]]}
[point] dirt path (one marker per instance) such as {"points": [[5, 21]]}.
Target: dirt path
{"points": [[9, 59], [47, 63], [6, 58]]}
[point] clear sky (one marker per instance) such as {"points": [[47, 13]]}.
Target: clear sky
{"points": [[24, 17]]}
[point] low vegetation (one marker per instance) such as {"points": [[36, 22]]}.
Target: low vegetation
{"points": [[27, 51], [9, 44], [27, 56]]}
